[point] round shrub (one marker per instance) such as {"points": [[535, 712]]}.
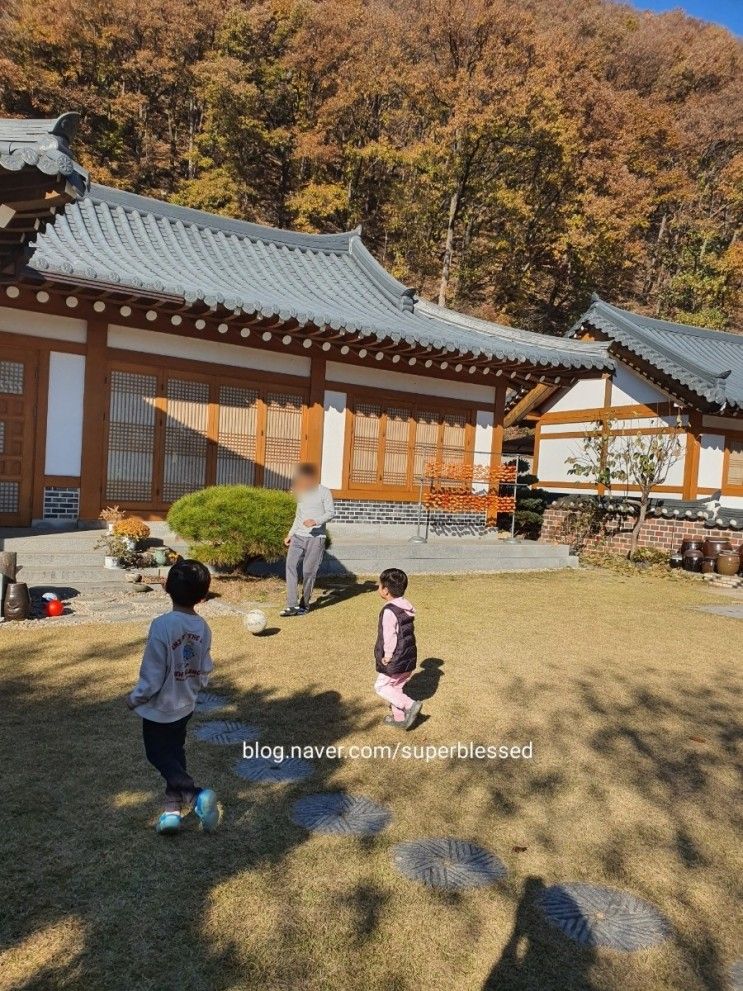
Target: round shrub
{"points": [[228, 524]]}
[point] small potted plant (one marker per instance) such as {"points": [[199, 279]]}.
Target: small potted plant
{"points": [[132, 530], [111, 515], [116, 550]]}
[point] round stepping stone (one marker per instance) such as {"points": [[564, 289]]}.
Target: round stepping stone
{"points": [[223, 731], [736, 976], [208, 702], [445, 862], [337, 814], [264, 769], [595, 916]]}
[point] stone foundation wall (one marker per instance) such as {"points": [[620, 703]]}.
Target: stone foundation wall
{"points": [[662, 534], [373, 512], [61, 503]]}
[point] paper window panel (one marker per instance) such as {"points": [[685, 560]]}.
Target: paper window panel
{"points": [[365, 445], [283, 439], [396, 447], [186, 444], [11, 378], [131, 437], [9, 497], [236, 442], [735, 464], [426, 442]]}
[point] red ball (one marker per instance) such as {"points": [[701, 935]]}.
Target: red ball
{"points": [[54, 608]]}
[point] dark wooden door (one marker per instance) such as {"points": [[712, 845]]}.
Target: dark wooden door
{"points": [[18, 384]]}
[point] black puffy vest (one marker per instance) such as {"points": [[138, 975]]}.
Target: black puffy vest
{"points": [[405, 657]]}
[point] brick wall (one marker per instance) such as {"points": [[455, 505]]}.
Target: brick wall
{"points": [[372, 512], [658, 532], [61, 503]]}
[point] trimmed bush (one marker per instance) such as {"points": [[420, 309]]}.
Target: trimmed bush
{"points": [[229, 524]]}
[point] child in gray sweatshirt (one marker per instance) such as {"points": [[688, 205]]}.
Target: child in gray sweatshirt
{"points": [[176, 664]]}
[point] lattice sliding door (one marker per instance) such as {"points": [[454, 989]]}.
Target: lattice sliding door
{"points": [[186, 440], [131, 437], [735, 464], [427, 431], [367, 422], [237, 435], [283, 439], [396, 447]]}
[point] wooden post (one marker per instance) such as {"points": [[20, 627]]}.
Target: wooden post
{"points": [[315, 412], [496, 448], [601, 487], [94, 420], [691, 455]]}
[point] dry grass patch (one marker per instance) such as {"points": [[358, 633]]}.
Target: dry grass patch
{"points": [[631, 699]]}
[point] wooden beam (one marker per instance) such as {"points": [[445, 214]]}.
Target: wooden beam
{"points": [[314, 420], [94, 420], [528, 402]]}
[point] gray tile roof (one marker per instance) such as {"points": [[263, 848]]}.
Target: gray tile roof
{"points": [[45, 145], [708, 363], [113, 238]]}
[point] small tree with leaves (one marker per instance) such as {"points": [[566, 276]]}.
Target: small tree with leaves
{"points": [[612, 456]]}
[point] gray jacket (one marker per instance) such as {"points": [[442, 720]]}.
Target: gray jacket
{"points": [[175, 665], [317, 505]]}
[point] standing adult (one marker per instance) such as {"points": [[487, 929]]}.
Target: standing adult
{"points": [[306, 538]]}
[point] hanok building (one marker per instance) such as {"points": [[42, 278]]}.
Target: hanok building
{"points": [[664, 372], [147, 350]]}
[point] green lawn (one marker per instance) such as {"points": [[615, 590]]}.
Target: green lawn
{"points": [[630, 696]]}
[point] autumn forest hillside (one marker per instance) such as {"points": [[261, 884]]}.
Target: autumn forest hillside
{"points": [[506, 158]]}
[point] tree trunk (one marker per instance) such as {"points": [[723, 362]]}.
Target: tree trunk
{"points": [[449, 246], [637, 527]]}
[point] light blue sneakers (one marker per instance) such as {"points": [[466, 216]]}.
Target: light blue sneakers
{"points": [[168, 823], [206, 808]]}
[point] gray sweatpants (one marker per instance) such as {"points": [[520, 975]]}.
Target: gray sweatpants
{"points": [[308, 551]]}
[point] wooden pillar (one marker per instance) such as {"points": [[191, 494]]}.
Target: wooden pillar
{"points": [[691, 456], [315, 413], [94, 420], [499, 413], [606, 416]]}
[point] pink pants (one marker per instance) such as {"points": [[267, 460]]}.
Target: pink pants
{"points": [[390, 687]]}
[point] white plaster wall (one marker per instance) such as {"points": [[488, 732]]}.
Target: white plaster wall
{"points": [[216, 352], [628, 388], [711, 456], [553, 454], [551, 464], [585, 394], [732, 502], [64, 421], [42, 325], [483, 443], [376, 378], [334, 438]]}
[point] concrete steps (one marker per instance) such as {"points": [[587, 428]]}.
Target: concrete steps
{"points": [[69, 558]]}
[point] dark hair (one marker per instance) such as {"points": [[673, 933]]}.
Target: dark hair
{"points": [[188, 583], [394, 580], [307, 469]]}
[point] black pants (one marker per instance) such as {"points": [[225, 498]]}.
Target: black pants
{"points": [[164, 745]]}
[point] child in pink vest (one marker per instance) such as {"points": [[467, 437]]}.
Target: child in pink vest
{"points": [[396, 653]]}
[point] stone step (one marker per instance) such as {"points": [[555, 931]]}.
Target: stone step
{"points": [[86, 575]]}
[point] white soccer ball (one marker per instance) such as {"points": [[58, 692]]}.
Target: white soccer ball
{"points": [[255, 621]]}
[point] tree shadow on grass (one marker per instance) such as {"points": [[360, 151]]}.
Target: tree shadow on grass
{"points": [[80, 809]]}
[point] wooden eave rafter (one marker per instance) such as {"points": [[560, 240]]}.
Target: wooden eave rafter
{"points": [[156, 311]]}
